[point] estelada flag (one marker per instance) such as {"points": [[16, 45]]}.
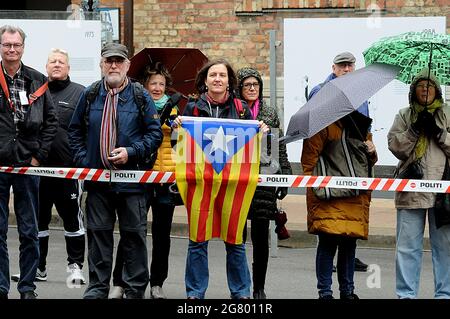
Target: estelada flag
{"points": [[217, 170]]}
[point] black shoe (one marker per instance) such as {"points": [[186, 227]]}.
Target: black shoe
{"points": [[28, 295], [133, 295], [352, 296], [360, 266], [259, 294], [326, 297], [3, 295]]}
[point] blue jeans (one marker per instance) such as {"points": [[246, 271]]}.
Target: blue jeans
{"points": [[26, 191], [410, 230], [197, 273], [328, 244]]}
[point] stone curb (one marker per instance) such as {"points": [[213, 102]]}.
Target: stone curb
{"points": [[298, 239]]}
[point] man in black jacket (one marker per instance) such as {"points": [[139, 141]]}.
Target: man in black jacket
{"points": [[65, 194], [28, 125]]}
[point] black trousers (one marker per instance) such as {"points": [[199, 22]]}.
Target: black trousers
{"points": [[102, 207], [65, 194], [162, 216], [259, 233]]}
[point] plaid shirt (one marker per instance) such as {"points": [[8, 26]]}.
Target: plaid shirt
{"points": [[17, 84]]}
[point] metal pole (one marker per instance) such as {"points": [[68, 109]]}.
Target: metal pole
{"points": [[273, 68], [273, 101]]}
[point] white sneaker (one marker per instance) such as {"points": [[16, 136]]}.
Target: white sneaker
{"points": [[116, 292], [76, 274], [156, 292], [41, 275]]}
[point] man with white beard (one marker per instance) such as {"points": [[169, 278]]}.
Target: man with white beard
{"points": [[115, 126]]}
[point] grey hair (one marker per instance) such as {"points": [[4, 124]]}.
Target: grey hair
{"points": [[60, 51], [12, 29]]}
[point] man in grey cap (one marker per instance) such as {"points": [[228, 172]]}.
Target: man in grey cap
{"points": [[115, 126], [344, 63]]}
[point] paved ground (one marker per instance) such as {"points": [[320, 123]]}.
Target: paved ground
{"points": [[291, 274]]}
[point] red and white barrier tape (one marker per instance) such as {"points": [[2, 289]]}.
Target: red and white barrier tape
{"points": [[294, 181]]}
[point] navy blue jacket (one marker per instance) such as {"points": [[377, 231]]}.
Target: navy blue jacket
{"points": [[141, 137]]}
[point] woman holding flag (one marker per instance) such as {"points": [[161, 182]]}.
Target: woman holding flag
{"points": [[216, 82]]}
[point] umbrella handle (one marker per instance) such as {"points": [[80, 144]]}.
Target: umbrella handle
{"points": [[357, 129], [172, 90]]}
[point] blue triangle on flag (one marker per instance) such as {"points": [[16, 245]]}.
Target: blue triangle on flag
{"points": [[220, 141]]}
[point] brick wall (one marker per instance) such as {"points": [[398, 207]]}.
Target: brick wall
{"points": [[239, 29]]}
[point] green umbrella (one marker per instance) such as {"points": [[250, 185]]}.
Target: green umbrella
{"points": [[413, 51]]}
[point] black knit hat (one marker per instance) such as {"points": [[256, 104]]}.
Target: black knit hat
{"points": [[247, 72]]}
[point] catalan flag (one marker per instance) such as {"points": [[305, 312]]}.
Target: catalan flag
{"points": [[217, 172]]}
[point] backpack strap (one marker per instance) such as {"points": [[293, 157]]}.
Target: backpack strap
{"points": [[39, 92], [240, 110], [90, 97], [195, 111], [138, 91]]}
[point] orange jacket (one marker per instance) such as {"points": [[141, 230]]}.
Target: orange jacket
{"points": [[165, 162], [343, 216]]}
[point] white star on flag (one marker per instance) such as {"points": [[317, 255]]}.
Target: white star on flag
{"points": [[220, 140]]}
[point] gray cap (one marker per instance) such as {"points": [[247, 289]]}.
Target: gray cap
{"points": [[344, 57], [114, 49]]}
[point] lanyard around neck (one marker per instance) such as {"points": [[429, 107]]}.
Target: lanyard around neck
{"points": [[33, 96], [6, 90]]}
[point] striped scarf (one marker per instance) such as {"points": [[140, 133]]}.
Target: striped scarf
{"points": [[108, 130]]}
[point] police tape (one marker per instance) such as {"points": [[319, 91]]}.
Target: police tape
{"points": [[292, 181]]}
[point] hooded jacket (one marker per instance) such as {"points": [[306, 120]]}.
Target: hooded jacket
{"points": [[264, 203], [402, 140], [226, 110], [339, 216]]}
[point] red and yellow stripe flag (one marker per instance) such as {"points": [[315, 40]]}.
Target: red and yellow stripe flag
{"points": [[217, 172]]}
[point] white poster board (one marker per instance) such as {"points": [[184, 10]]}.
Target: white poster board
{"points": [[81, 38], [310, 46]]}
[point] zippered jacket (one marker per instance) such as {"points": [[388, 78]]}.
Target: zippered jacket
{"points": [[32, 137], [347, 216], [140, 137]]}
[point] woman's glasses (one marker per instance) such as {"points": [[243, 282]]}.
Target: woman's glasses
{"points": [[248, 86]]}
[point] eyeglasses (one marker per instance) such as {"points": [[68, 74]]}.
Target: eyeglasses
{"points": [[247, 86], [425, 86], [118, 62], [8, 46]]}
